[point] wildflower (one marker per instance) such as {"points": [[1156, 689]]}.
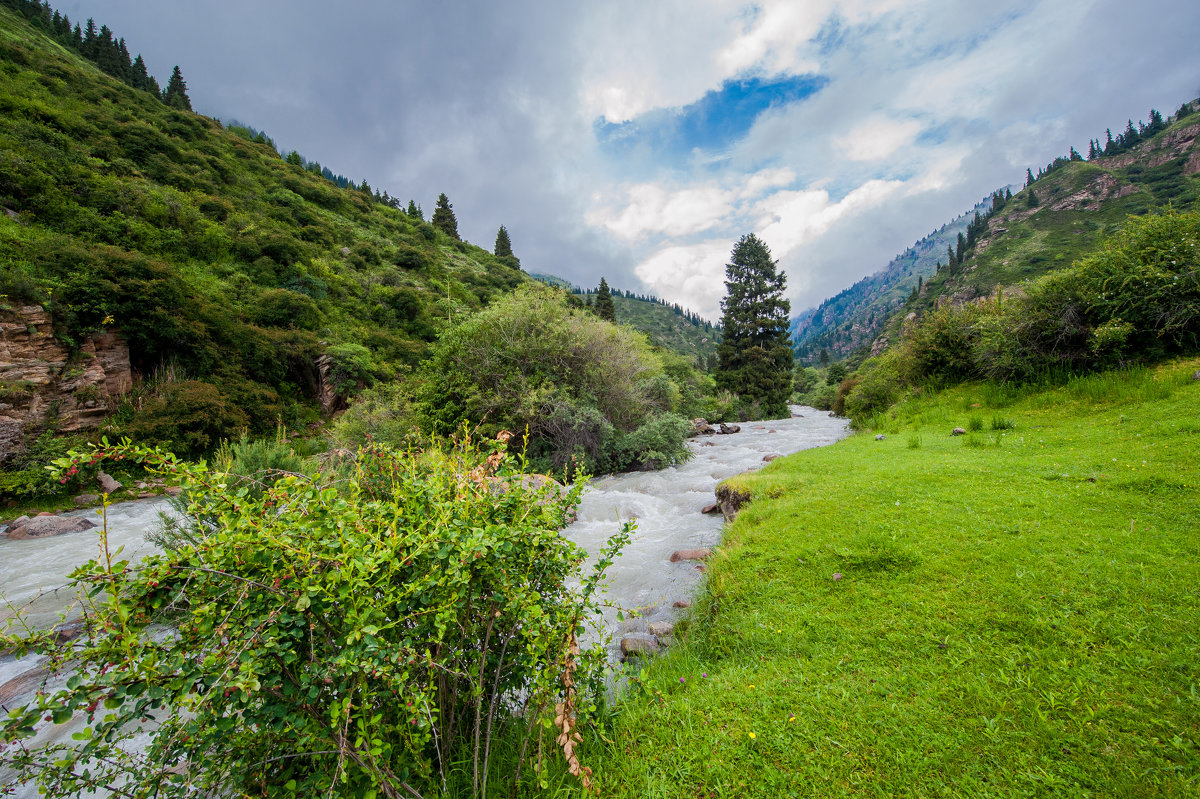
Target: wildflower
{"points": [[752, 736]]}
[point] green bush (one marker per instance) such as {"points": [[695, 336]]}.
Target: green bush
{"points": [[372, 633], [188, 418], [530, 361]]}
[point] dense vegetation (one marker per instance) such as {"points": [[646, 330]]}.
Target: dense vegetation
{"points": [[1137, 299], [400, 625], [229, 269], [591, 394]]}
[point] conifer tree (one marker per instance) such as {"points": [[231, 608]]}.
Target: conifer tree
{"points": [[414, 211], [1028, 177], [503, 247], [176, 94], [755, 357], [443, 217], [604, 303]]}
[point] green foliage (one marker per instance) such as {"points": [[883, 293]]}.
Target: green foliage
{"points": [[188, 418], [443, 217], [755, 355], [530, 361], [350, 367], [202, 244], [356, 634], [175, 95], [604, 303]]}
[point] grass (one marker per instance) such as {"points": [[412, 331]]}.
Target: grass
{"points": [[1019, 616]]}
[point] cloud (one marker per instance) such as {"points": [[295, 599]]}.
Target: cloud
{"points": [[878, 137], [692, 275]]}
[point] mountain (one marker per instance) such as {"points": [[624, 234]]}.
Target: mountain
{"points": [[1062, 214], [246, 288], [852, 319]]}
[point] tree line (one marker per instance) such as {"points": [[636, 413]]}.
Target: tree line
{"points": [[104, 49]]}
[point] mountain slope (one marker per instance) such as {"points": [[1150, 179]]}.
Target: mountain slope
{"points": [[217, 261], [1075, 203], [850, 320]]}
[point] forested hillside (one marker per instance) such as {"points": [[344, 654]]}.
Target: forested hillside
{"points": [[852, 319], [246, 285], [1061, 214]]}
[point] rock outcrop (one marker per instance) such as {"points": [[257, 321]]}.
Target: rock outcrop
{"points": [[43, 382]]}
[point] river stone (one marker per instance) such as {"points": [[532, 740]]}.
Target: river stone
{"points": [[174, 490], [681, 603], [701, 427], [690, 554], [84, 500], [107, 484], [638, 647], [958, 431], [661, 629], [769, 458], [713, 508], [47, 526], [726, 429]]}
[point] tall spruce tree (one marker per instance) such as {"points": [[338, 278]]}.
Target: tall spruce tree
{"points": [[755, 357], [604, 303], [176, 94], [503, 246], [443, 217]]}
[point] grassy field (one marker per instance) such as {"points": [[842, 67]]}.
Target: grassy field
{"points": [[1017, 612]]}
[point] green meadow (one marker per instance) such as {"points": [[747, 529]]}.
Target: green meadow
{"points": [[1014, 611]]}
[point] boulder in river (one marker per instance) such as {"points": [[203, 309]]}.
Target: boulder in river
{"points": [[701, 427], [690, 554], [713, 508], [638, 647], [23, 684], [86, 500], [661, 629], [727, 429], [46, 526]]}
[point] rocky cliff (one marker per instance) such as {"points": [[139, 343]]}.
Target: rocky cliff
{"points": [[43, 384]]}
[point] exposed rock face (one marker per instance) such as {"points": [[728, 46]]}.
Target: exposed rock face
{"points": [[41, 381], [46, 526], [326, 393]]}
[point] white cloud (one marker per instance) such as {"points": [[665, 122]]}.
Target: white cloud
{"points": [[692, 275], [878, 137], [791, 218]]}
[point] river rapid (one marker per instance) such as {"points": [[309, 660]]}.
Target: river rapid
{"points": [[666, 505]]}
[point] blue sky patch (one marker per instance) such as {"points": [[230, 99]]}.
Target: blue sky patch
{"points": [[672, 136]]}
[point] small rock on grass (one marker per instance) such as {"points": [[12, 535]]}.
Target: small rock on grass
{"points": [[681, 603], [958, 431], [661, 628], [881, 437]]}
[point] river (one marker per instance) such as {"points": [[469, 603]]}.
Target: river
{"points": [[666, 505]]}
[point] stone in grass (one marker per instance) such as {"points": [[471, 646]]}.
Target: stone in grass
{"points": [[881, 437], [85, 500], [638, 647], [958, 431], [837, 576], [1196, 377], [690, 554], [661, 629], [681, 603], [771, 457]]}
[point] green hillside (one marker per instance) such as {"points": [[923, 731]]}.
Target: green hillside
{"points": [[669, 327], [219, 261], [1075, 204], [852, 319]]}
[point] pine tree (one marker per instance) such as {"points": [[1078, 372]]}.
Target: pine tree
{"points": [[414, 211], [503, 247], [1029, 177], [604, 303], [1091, 150], [176, 94], [443, 217], [1075, 156], [755, 357]]}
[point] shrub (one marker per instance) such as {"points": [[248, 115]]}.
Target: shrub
{"points": [[367, 636], [188, 418]]}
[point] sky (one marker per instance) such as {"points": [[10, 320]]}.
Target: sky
{"points": [[639, 140]]}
